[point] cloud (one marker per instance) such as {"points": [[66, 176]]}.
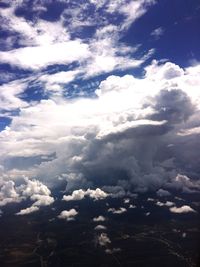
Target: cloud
{"points": [[126, 200], [42, 200], [80, 194], [34, 187], [68, 214], [43, 43], [113, 250], [28, 210], [76, 195], [182, 209], [132, 206], [157, 33], [100, 227], [10, 95], [163, 193], [99, 219], [118, 140], [117, 211], [96, 194], [31, 189], [8, 193], [55, 82], [184, 184], [38, 57], [167, 204], [103, 240]]}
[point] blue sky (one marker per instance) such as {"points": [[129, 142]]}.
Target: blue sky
{"points": [[98, 88]]}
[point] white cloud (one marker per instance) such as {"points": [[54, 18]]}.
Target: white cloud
{"points": [[134, 10], [132, 206], [117, 211], [99, 219], [44, 43], [126, 200], [76, 195], [100, 227], [103, 239], [28, 210], [10, 95], [54, 82], [68, 214], [182, 209], [157, 32], [80, 194], [37, 57], [8, 193], [96, 194], [42, 200], [34, 188]]}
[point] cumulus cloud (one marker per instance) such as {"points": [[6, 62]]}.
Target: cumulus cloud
{"points": [[126, 200], [68, 215], [31, 189], [42, 200], [100, 218], [28, 210], [76, 195], [100, 227], [96, 194], [34, 187], [8, 193], [182, 209], [132, 206], [117, 211], [80, 194], [103, 240]]}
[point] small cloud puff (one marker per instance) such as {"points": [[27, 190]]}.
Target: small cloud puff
{"points": [[99, 219], [68, 214], [183, 209], [132, 206], [100, 227], [157, 32], [28, 210], [103, 239], [80, 194], [117, 211]]}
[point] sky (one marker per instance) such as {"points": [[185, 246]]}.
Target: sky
{"points": [[100, 95]]}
